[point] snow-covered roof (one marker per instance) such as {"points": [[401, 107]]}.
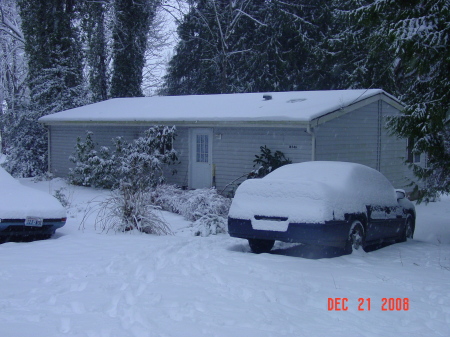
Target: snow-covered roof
{"points": [[299, 107]]}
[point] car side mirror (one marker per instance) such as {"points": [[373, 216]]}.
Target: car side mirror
{"points": [[401, 194]]}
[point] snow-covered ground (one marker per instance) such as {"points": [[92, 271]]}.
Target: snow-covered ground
{"points": [[86, 283]]}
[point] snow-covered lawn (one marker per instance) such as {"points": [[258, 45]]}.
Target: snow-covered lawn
{"points": [[85, 283]]}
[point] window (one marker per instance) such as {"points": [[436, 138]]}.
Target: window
{"points": [[202, 148], [417, 158], [412, 157]]}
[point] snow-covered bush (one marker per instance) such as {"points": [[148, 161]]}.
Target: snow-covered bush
{"points": [[61, 195], [142, 162], [205, 207], [94, 168], [25, 143], [130, 170], [137, 164], [264, 163], [267, 162], [129, 209], [209, 224]]}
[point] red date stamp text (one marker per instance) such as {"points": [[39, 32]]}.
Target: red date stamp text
{"points": [[365, 304]]}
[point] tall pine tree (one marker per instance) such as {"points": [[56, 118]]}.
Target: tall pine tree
{"points": [[249, 45], [55, 74], [131, 27], [409, 52], [421, 34], [95, 33], [55, 79]]}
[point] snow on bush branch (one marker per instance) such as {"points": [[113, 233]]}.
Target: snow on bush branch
{"points": [[138, 164], [131, 170], [205, 207], [127, 209]]}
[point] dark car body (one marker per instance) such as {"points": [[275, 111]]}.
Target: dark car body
{"points": [[320, 203], [26, 213]]}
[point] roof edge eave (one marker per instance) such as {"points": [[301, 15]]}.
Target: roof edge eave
{"points": [[383, 96], [261, 123]]}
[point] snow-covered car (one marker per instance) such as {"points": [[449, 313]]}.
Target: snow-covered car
{"points": [[337, 204], [26, 213]]}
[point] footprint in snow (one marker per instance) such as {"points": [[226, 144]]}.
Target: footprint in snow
{"points": [[65, 325]]}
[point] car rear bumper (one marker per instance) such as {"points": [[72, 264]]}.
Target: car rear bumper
{"points": [[330, 233], [15, 228]]}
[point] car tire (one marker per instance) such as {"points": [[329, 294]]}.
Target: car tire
{"points": [[259, 246], [409, 227], [356, 237], [408, 231]]}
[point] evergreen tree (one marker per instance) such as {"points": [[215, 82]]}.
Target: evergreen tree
{"points": [[361, 53], [201, 61], [408, 54], [421, 35], [249, 45], [55, 74], [95, 30], [54, 78], [288, 50], [132, 24]]}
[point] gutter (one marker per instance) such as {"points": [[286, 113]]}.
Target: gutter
{"points": [[195, 124], [311, 132]]}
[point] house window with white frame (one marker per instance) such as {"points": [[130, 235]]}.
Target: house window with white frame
{"points": [[412, 157]]}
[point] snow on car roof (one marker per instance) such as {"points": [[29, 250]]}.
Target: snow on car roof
{"points": [[300, 106], [18, 201], [334, 174], [313, 192]]}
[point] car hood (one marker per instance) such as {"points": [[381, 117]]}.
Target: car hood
{"points": [[18, 202], [299, 201]]}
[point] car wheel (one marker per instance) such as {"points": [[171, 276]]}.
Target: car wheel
{"points": [[260, 246], [409, 227], [356, 237], [408, 231]]}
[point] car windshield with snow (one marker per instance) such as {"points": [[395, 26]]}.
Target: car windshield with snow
{"points": [[337, 204], [26, 213]]}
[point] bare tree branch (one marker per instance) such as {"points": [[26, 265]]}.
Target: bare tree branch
{"points": [[8, 27]]}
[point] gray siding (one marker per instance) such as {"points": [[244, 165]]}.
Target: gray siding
{"points": [[393, 153], [351, 137], [361, 137], [234, 149], [64, 138], [181, 145]]}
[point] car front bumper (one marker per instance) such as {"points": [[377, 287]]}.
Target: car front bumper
{"points": [[15, 228], [330, 233]]}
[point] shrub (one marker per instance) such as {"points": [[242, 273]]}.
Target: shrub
{"points": [[205, 207], [210, 224], [63, 198], [268, 162], [94, 168], [137, 164], [129, 209]]}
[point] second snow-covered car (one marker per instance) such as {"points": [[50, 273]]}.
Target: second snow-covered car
{"points": [[26, 213], [337, 204]]}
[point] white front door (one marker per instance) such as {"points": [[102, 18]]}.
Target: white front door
{"points": [[200, 158]]}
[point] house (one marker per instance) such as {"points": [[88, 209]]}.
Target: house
{"points": [[218, 136]]}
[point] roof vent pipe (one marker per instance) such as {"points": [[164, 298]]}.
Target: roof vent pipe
{"points": [[267, 97]]}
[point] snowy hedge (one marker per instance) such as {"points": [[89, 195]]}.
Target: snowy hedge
{"points": [[138, 164], [205, 207]]}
